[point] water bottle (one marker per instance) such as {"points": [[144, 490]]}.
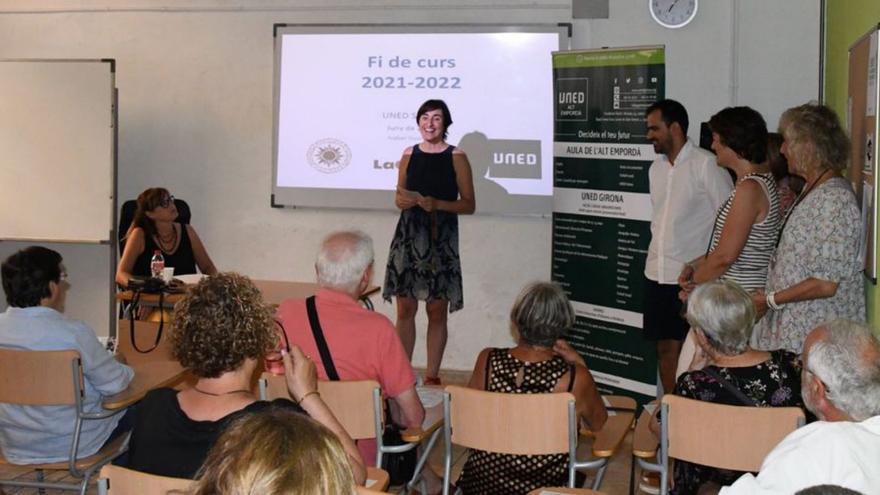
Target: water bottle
{"points": [[157, 264]]}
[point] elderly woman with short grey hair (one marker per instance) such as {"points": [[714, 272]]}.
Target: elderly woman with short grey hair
{"points": [[542, 362], [726, 370]]}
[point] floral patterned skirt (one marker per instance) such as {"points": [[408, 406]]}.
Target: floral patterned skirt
{"points": [[423, 262]]}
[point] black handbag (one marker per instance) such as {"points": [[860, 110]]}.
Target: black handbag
{"points": [[148, 285], [401, 466]]}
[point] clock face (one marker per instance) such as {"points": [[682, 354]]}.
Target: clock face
{"points": [[673, 13]]}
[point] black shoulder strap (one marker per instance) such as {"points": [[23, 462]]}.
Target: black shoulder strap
{"points": [[319, 340], [746, 400], [132, 309], [571, 372]]}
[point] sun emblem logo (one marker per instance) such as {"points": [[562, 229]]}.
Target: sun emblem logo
{"points": [[328, 155]]}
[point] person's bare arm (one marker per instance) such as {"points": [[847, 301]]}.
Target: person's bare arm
{"points": [[588, 401], [805, 290], [407, 410], [745, 211], [478, 377], [401, 200], [466, 202], [302, 382], [204, 262], [134, 246]]}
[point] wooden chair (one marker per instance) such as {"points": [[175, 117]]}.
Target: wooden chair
{"points": [[115, 480], [368, 491], [54, 378], [356, 404], [567, 491], [145, 337], [718, 435], [525, 424]]}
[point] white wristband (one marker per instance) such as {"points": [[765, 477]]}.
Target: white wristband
{"points": [[771, 301]]}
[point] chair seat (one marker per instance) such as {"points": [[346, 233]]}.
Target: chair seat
{"points": [[81, 463], [571, 491], [379, 477]]}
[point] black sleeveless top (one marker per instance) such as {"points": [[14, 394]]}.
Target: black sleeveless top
{"points": [[432, 174], [183, 260]]}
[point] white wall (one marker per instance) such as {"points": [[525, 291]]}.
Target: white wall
{"points": [[195, 83]]}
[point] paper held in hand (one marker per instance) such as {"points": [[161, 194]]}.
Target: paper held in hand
{"points": [[410, 194]]}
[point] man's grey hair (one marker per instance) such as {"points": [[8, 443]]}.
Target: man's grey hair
{"points": [[342, 260], [725, 313], [847, 361]]}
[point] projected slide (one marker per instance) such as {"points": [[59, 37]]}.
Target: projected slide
{"points": [[346, 108]]}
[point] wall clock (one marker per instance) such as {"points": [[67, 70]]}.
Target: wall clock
{"points": [[673, 14]]}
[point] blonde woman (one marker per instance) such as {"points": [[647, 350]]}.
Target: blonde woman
{"points": [[276, 452]]}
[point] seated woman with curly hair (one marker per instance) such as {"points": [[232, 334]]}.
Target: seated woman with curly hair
{"points": [[223, 329]]}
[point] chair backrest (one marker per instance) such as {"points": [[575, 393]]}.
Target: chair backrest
{"points": [[39, 378], [722, 436], [352, 402], [145, 335], [126, 216], [366, 491], [510, 423], [122, 481]]}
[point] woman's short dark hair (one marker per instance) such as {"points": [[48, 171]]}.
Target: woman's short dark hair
{"points": [[436, 105], [221, 322], [27, 273], [148, 200], [743, 130], [541, 314]]}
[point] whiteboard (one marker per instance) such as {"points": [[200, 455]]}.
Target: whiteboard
{"points": [[57, 136]]}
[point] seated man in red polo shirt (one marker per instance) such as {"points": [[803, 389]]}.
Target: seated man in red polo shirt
{"points": [[363, 344]]}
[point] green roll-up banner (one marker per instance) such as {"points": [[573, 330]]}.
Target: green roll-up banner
{"points": [[602, 207]]}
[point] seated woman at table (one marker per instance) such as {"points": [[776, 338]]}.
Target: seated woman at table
{"points": [[154, 228], [223, 330], [726, 370], [276, 452], [540, 363]]}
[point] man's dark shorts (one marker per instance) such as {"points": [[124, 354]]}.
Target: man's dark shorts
{"points": [[662, 312]]}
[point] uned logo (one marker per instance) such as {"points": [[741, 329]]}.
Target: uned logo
{"points": [[571, 98], [515, 158], [328, 155]]}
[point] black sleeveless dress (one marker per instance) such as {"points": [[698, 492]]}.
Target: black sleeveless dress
{"points": [[487, 473], [423, 262], [182, 259]]}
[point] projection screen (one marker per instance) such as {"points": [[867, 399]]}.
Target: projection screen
{"points": [[346, 99]]}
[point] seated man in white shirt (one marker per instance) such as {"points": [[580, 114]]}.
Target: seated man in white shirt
{"points": [[841, 385], [35, 284]]}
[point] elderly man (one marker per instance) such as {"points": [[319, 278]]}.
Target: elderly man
{"points": [[841, 385], [363, 345], [35, 284]]}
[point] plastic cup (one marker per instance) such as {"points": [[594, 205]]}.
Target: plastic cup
{"points": [[168, 274], [274, 363]]}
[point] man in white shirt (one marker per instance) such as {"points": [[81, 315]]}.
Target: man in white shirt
{"points": [[687, 187], [841, 385]]}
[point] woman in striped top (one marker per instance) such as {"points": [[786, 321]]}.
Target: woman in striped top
{"points": [[746, 225]]}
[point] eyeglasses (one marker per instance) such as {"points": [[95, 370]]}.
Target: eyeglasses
{"points": [[166, 201]]}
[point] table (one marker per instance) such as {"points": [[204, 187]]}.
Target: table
{"points": [[274, 292], [147, 376]]}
